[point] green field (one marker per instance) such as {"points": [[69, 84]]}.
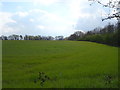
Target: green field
{"points": [[68, 64]]}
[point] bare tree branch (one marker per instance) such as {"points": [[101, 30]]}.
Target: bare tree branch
{"points": [[114, 4]]}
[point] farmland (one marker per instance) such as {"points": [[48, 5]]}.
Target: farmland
{"points": [[68, 64]]}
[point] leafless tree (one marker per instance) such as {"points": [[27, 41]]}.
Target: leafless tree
{"points": [[112, 5]]}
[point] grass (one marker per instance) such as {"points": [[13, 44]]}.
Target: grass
{"points": [[69, 64]]}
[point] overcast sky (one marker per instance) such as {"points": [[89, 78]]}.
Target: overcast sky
{"points": [[50, 17]]}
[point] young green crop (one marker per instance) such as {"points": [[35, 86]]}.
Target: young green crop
{"points": [[68, 64]]}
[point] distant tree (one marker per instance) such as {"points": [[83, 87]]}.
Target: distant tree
{"points": [[39, 37], [36, 38], [50, 38], [59, 38], [11, 37], [0, 38], [16, 37], [26, 37], [30, 37], [79, 34], [4, 37], [66, 38], [21, 37], [76, 35], [110, 35], [110, 28], [44, 38], [89, 33]]}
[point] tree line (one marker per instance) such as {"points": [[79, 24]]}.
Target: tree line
{"points": [[30, 37], [109, 35]]}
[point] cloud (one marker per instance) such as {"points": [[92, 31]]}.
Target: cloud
{"points": [[75, 7], [22, 14], [40, 27], [51, 17], [35, 21], [44, 2], [44, 14], [6, 29], [1, 4], [38, 11], [6, 18], [31, 20]]}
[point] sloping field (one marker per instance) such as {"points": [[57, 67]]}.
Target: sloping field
{"points": [[62, 64]]}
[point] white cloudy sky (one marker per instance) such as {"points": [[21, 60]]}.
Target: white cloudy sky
{"points": [[50, 17]]}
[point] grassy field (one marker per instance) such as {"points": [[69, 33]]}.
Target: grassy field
{"points": [[68, 64]]}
